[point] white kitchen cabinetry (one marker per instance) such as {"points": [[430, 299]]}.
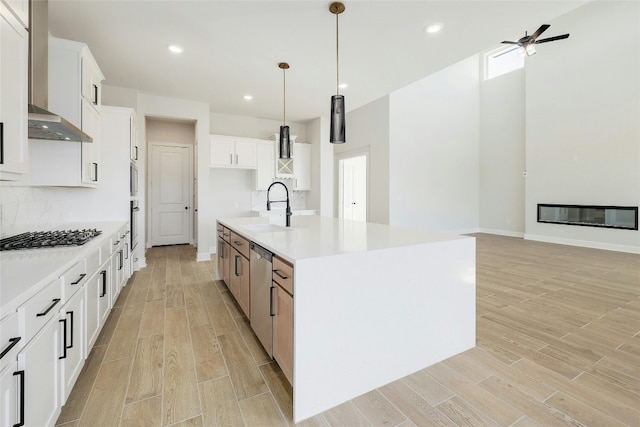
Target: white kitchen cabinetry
{"points": [[284, 167], [133, 138], [118, 271], [14, 50], [40, 363], [233, 152], [265, 166], [74, 93], [301, 167], [10, 397], [20, 9], [98, 295], [72, 318]]}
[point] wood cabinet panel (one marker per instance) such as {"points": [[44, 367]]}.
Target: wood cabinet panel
{"points": [[283, 331]]}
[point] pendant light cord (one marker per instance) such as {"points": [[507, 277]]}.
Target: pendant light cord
{"points": [[284, 97], [337, 59]]}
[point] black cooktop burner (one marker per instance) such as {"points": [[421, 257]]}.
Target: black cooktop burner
{"points": [[48, 239]]}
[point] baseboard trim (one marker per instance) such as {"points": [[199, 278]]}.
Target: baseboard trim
{"points": [[583, 243], [203, 256], [507, 233], [463, 231]]}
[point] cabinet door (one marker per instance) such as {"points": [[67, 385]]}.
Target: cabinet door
{"points": [[91, 124], [283, 331], [13, 96], [222, 152], [97, 305], [39, 361], [10, 398], [72, 317], [302, 166], [235, 267], [240, 286], [265, 165], [133, 142], [91, 80], [245, 154], [117, 273]]}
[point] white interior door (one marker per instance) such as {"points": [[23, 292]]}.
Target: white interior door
{"points": [[353, 188], [170, 191]]}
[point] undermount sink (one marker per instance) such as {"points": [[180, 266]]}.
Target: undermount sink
{"points": [[266, 228]]}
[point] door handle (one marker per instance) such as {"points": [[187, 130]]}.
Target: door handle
{"points": [[186, 207], [104, 283], [235, 264], [21, 374], [64, 338], [13, 342], [1, 143]]}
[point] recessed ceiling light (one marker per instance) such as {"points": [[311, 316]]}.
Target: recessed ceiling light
{"points": [[248, 97], [343, 85], [436, 27], [175, 48]]}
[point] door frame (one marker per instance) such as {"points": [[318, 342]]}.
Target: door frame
{"points": [[149, 213], [356, 152]]}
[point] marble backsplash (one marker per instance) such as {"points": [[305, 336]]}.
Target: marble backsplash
{"points": [[31, 208]]}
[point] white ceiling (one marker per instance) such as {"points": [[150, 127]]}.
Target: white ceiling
{"points": [[232, 48]]}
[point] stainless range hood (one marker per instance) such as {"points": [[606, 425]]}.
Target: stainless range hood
{"points": [[44, 124]]}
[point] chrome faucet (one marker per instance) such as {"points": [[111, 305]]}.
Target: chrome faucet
{"points": [[288, 211]]}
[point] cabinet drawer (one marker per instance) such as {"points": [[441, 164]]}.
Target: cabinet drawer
{"points": [[283, 274], [74, 278], [226, 234], [36, 312], [93, 261], [11, 341], [241, 244], [219, 229]]}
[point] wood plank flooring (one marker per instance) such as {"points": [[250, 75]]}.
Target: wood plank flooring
{"points": [[558, 343]]}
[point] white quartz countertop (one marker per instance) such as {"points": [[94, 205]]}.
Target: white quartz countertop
{"points": [[317, 236], [25, 272]]}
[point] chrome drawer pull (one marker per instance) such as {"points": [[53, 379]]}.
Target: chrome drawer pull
{"points": [[13, 342], [48, 309]]}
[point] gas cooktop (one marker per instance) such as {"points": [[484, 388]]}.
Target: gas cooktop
{"points": [[48, 239]]}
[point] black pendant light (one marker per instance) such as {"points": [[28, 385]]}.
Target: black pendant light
{"points": [[337, 134], [285, 142]]}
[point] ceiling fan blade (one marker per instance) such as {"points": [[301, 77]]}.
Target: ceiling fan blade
{"points": [[539, 31], [507, 42], [550, 39]]}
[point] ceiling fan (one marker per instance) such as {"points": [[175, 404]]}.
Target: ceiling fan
{"points": [[526, 43]]}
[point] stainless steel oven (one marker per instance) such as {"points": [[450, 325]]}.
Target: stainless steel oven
{"points": [[134, 223], [133, 180]]}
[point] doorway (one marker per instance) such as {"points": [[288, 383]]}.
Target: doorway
{"points": [[353, 187], [170, 195]]}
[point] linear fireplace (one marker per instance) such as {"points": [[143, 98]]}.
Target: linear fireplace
{"points": [[620, 217]]}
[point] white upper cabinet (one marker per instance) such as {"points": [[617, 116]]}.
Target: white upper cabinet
{"points": [[75, 94], [301, 166], [233, 152], [265, 167], [20, 9], [14, 50]]}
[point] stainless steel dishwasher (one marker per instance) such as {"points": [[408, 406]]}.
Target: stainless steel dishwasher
{"points": [[262, 296]]}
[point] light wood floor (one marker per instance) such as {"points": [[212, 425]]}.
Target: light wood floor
{"points": [[558, 343]]}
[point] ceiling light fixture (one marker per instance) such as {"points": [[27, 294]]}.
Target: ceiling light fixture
{"points": [[285, 142], [175, 48], [343, 85], [248, 97], [436, 27], [337, 131]]}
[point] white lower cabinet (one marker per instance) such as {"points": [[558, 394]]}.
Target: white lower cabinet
{"points": [[118, 278], [41, 366], [72, 320], [98, 303], [10, 399]]}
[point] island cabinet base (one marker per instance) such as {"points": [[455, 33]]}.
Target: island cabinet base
{"points": [[364, 319]]}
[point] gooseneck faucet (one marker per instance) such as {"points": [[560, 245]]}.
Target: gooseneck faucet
{"points": [[288, 211]]}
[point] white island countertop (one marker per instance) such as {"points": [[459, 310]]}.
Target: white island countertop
{"points": [[312, 236], [372, 303]]}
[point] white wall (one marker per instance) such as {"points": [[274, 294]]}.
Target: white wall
{"points": [[434, 151], [368, 130], [198, 112], [502, 154], [252, 127], [583, 121], [320, 197]]}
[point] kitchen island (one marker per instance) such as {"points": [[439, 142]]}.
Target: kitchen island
{"points": [[372, 303]]}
